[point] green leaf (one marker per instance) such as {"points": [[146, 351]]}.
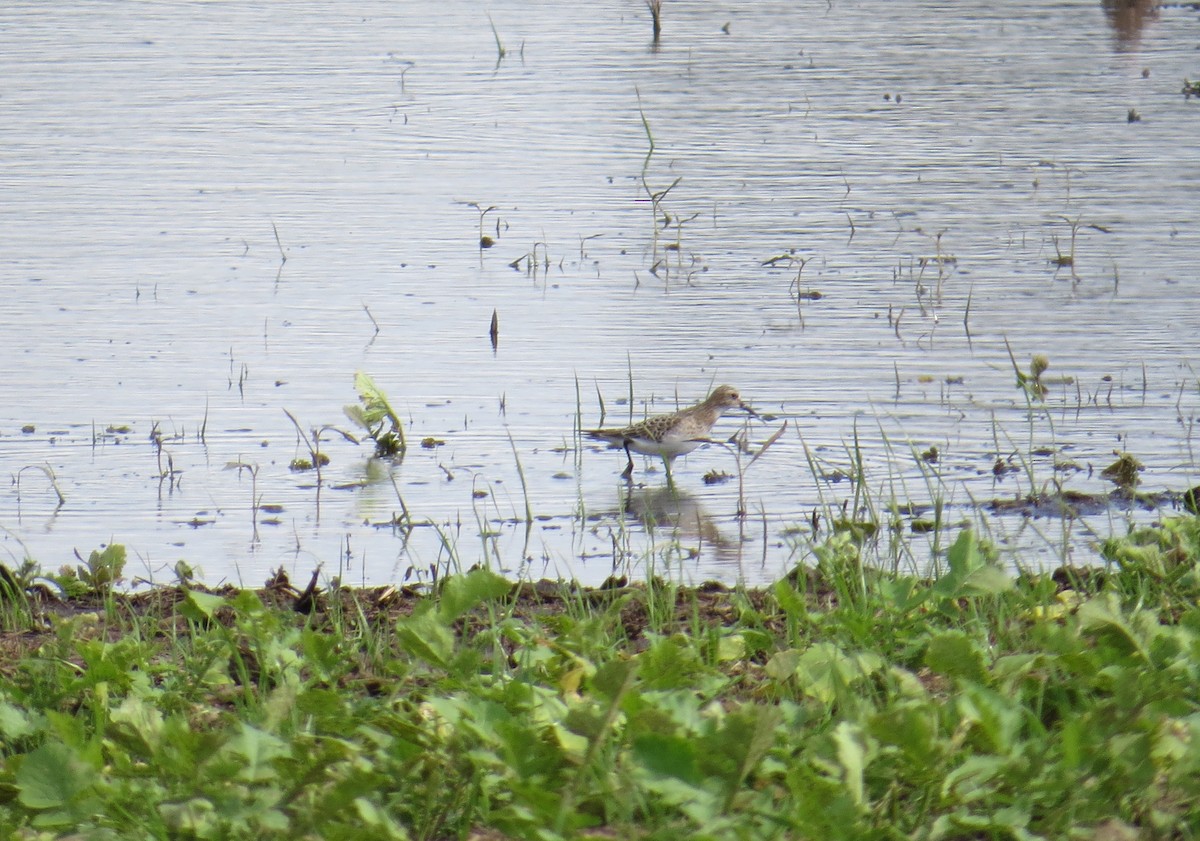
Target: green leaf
{"points": [[667, 756], [257, 750], [972, 572], [356, 414], [903, 592], [138, 724], [824, 671], [748, 733], [15, 723], [462, 593], [782, 664], [994, 721], [1102, 616], [731, 647], [199, 606], [52, 776], [790, 601], [964, 556], [246, 602], [370, 394], [670, 662], [425, 636], [104, 568], [974, 778], [195, 817], [372, 414], [912, 727], [852, 756], [377, 818], [954, 654], [614, 677]]}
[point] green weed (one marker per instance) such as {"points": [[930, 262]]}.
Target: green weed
{"points": [[843, 702]]}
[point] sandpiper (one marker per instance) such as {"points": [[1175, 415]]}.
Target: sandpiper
{"points": [[670, 436]]}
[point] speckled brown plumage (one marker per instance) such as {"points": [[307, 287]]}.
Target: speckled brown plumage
{"points": [[670, 436]]}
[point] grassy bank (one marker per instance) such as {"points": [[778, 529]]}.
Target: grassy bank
{"points": [[841, 703]]}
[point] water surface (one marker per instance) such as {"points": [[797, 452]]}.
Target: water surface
{"points": [[923, 166]]}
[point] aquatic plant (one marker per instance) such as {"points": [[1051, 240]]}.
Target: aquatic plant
{"points": [[1124, 471], [500, 50], [1031, 382], [47, 471], [655, 7], [375, 414], [312, 442], [255, 497]]}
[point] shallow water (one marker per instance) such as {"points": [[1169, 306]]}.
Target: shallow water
{"points": [[925, 161]]}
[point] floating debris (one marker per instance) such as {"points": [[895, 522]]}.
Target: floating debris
{"points": [[1124, 471]]}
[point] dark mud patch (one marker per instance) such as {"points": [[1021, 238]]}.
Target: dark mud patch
{"points": [[1068, 504], [162, 612]]}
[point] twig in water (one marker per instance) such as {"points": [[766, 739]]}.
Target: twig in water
{"points": [[646, 126], [375, 323], [255, 501], [655, 7], [278, 244], [49, 476]]}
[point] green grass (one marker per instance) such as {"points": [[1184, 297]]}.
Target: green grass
{"points": [[843, 702]]}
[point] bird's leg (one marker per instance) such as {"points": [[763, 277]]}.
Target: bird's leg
{"points": [[628, 474], [667, 465]]}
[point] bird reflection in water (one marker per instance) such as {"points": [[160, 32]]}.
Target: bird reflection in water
{"points": [[670, 509]]}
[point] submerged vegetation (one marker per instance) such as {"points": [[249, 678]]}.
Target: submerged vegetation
{"points": [[839, 703]]}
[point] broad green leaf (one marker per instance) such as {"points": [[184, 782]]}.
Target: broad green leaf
{"points": [[669, 756], [246, 601], [1102, 615], [257, 750], [965, 556], [903, 592], [614, 677], [52, 776], [913, 727], [997, 720], [748, 732], [367, 390], [782, 664], [425, 636], [200, 605], [670, 662], [140, 722], [15, 723], [954, 654], [824, 670], [971, 572], [104, 568], [731, 647], [462, 593], [356, 414], [790, 601], [986, 581]]}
